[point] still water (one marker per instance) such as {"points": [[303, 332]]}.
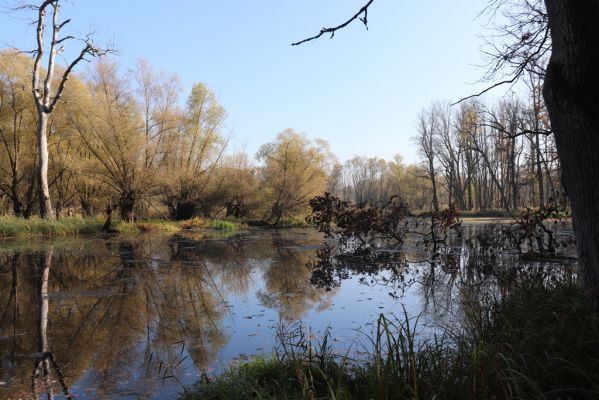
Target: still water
{"points": [[129, 318]]}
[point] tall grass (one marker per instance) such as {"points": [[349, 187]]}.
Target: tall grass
{"points": [[540, 342], [13, 227], [20, 227]]}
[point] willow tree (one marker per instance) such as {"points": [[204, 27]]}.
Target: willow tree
{"points": [[194, 154], [293, 172], [17, 163], [111, 126], [45, 94]]}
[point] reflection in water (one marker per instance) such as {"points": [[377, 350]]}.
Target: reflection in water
{"points": [[287, 282], [473, 267], [45, 363], [123, 318], [119, 318]]}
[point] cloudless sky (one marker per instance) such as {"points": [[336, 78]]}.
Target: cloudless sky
{"points": [[361, 91]]}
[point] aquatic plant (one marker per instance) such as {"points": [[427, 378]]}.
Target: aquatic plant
{"points": [[540, 341]]}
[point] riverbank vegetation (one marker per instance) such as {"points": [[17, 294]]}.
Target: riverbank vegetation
{"points": [[12, 227], [128, 140], [539, 341]]}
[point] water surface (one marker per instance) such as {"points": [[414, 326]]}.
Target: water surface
{"points": [[129, 318]]}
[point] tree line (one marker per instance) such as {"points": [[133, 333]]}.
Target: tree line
{"points": [[127, 139], [498, 156]]}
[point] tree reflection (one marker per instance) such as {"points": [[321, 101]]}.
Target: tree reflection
{"points": [[470, 268], [113, 314], [287, 282], [46, 362], [112, 310]]}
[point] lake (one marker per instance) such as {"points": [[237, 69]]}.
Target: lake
{"points": [[140, 317]]}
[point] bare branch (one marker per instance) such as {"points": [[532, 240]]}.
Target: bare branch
{"points": [[505, 82], [525, 43], [89, 49], [65, 39], [364, 19], [59, 27]]}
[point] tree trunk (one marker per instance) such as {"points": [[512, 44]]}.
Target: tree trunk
{"points": [[571, 93], [539, 165], [86, 207], [107, 228], [513, 174], [434, 186], [16, 202], [184, 210], [127, 207], [43, 188]]}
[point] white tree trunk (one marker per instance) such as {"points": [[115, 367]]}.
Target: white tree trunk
{"points": [[45, 203]]}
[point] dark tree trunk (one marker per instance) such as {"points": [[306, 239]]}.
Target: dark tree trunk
{"points": [[86, 208], [433, 184], [107, 228], [513, 175], [184, 210], [16, 202], [571, 93], [127, 207], [539, 165], [30, 193]]}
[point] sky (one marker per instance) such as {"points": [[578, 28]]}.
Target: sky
{"points": [[361, 91]]}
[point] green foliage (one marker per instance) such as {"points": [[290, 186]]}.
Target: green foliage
{"points": [[541, 341]]}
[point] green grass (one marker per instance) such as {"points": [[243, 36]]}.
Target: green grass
{"points": [[223, 225], [540, 342], [13, 227], [20, 227]]}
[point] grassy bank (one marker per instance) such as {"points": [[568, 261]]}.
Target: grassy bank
{"points": [[12, 227], [20, 227], [538, 343]]}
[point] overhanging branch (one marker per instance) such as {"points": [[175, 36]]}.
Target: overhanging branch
{"points": [[358, 15]]}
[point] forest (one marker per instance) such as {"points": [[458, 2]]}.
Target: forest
{"points": [[126, 139]]}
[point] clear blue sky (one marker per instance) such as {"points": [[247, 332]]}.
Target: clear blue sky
{"points": [[360, 91]]}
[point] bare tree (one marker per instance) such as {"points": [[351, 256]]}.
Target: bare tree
{"points": [[45, 96], [427, 127]]}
